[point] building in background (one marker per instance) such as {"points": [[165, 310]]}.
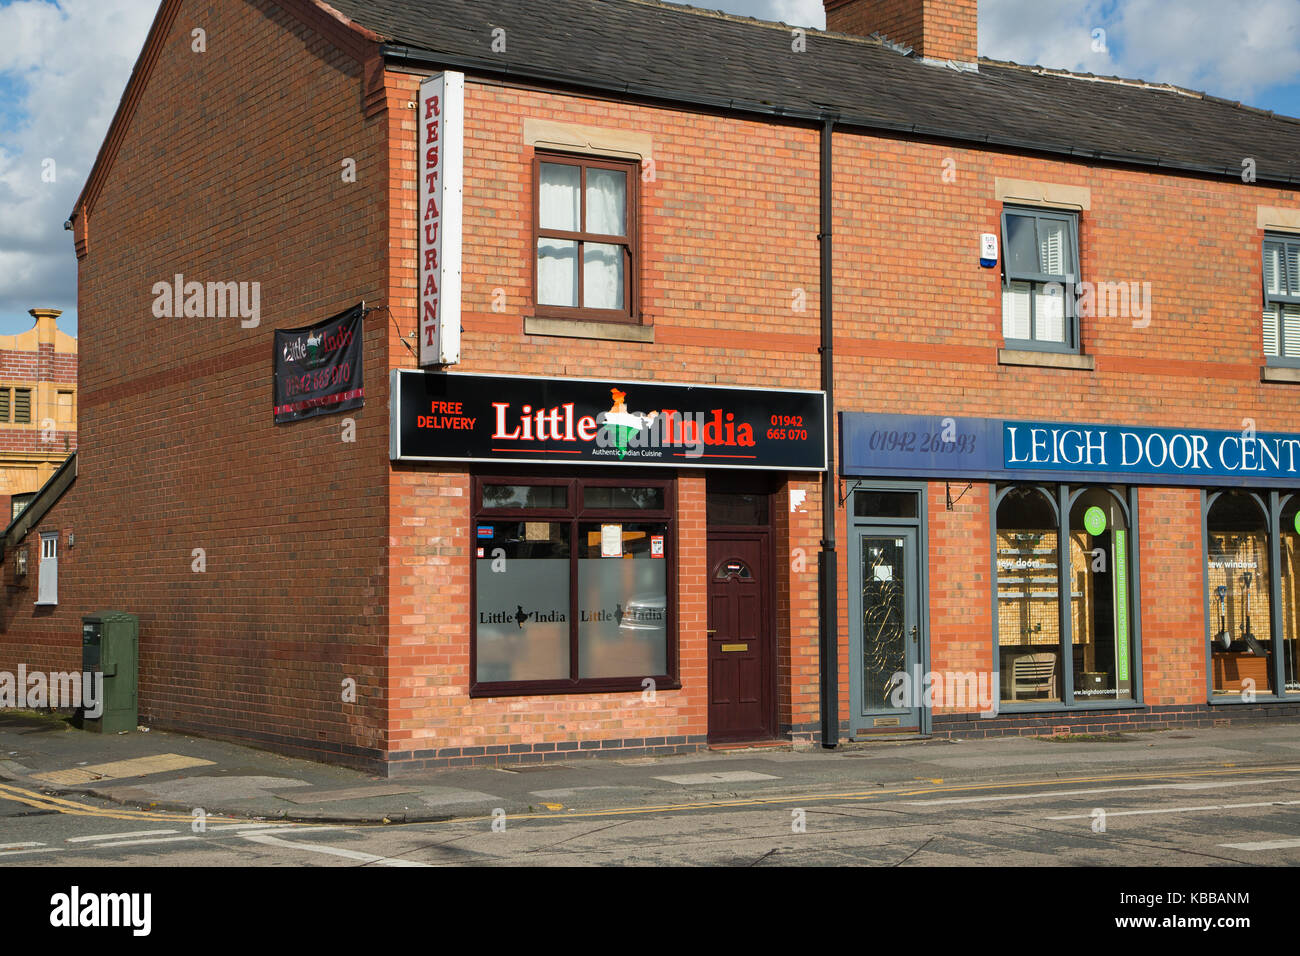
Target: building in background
{"points": [[38, 408]]}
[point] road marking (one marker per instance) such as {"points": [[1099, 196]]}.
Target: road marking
{"points": [[18, 846], [175, 839], [249, 826], [117, 836], [51, 849], [139, 767], [1267, 845], [1071, 793], [268, 840], [1217, 806]]}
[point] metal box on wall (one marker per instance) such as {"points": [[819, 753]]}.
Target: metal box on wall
{"points": [[110, 645]]}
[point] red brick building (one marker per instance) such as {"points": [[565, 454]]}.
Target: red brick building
{"points": [[38, 407], [675, 223]]}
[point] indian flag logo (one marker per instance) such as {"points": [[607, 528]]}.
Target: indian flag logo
{"points": [[621, 424]]}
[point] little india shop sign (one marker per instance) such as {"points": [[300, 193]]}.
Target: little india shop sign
{"points": [[457, 417], [922, 446]]}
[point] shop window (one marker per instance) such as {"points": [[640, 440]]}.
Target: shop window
{"points": [[1029, 604], [1066, 638], [1100, 605], [1237, 576], [585, 231], [1040, 265], [572, 590], [1282, 300], [1289, 598]]}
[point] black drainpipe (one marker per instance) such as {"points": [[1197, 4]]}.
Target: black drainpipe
{"points": [[827, 563]]}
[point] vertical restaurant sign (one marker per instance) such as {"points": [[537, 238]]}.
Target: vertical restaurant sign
{"points": [[442, 194], [318, 369]]}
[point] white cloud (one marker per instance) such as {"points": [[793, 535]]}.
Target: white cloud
{"points": [[71, 63]]}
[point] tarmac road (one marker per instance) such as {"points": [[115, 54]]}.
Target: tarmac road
{"points": [[1209, 816]]}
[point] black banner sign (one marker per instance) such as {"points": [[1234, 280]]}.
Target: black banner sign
{"points": [[454, 417], [318, 370]]}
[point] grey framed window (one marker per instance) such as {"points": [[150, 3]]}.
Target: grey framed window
{"points": [[1066, 631], [1282, 300], [1040, 265]]}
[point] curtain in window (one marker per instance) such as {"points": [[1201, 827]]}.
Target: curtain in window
{"points": [[1293, 268], [607, 202], [602, 264], [560, 209]]}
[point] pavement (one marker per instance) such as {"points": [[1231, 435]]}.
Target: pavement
{"points": [[179, 772]]}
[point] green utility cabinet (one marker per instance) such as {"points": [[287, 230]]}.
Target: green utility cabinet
{"points": [[110, 644]]}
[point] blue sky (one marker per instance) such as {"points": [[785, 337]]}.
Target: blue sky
{"points": [[63, 67]]}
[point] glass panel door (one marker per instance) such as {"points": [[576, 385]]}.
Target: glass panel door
{"points": [[888, 653]]}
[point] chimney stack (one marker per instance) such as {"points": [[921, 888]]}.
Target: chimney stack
{"points": [[46, 324], [936, 29]]}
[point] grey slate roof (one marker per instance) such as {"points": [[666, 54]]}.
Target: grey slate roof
{"points": [[698, 56]]}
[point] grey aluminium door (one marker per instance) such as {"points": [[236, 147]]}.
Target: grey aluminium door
{"points": [[886, 645]]}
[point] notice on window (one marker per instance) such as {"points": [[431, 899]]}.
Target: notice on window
{"points": [[611, 541], [656, 546]]}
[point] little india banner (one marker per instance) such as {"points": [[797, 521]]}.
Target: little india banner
{"points": [[318, 370], [445, 417]]}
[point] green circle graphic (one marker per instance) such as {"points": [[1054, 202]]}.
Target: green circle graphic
{"points": [[1297, 522], [1094, 520]]}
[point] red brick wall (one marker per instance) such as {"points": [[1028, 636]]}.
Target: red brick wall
{"points": [[1173, 583], [961, 622], [743, 263], [230, 170]]}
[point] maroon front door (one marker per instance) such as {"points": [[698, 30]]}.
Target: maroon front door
{"points": [[740, 638]]}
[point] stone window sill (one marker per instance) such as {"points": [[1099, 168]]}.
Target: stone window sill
{"points": [[610, 331], [1084, 363], [1279, 373]]}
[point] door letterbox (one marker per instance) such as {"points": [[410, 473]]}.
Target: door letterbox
{"points": [[110, 645]]}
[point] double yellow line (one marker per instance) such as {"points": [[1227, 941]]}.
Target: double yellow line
{"points": [[59, 805]]}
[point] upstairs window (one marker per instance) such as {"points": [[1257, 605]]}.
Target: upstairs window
{"points": [[1282, 300], [1040, 265], [585, 238]]}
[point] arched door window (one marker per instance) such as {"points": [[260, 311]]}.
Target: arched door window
{"points": [[1029, 607], [1237, 577], [1101, 590]]}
